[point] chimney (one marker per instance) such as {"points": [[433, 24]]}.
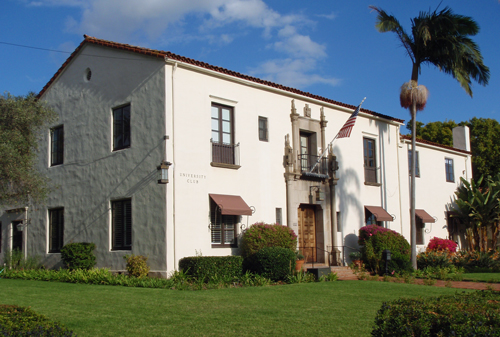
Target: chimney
{"points": [[461, 138]]}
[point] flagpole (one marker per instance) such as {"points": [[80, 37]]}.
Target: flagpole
{"points": [[322, 154]]}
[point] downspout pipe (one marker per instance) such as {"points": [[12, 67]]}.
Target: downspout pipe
{"points": [[173, 157]]}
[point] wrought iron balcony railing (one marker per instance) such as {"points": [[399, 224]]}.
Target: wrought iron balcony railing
{"points": [[308, 165], [225, 153]]}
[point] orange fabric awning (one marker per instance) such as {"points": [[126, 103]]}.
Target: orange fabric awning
{"points": [[424, 216], [231, 204], [379, 213]]}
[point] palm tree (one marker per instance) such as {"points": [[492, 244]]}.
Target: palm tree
{"points": [[440, 38]]}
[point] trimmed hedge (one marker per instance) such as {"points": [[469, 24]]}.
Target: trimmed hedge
{"points": [[462, 314], [375, 239], [207, 268], [78, 255], [22, 321], [274, 263], [261, 235]]}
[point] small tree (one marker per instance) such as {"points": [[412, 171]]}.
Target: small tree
{"points": [[22, 119]]}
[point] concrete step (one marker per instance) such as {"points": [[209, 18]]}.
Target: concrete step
{"points": [[343, 273]]}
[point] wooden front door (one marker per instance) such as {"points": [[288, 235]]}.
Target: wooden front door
{"points": [[307, 232]]}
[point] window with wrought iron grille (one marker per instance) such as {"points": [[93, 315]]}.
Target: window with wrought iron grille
{"points": [[56, 145], [370, 162], [56, 230], [450, 174], [263, 129], [223, 227], [122, 224], [121, 127], [420, 228]]}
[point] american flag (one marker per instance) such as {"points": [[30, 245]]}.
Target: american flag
{"points": [[347, 128]]}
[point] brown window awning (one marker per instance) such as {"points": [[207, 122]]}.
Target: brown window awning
{"points": [[379, 213], [231, 204], [424, 216]]}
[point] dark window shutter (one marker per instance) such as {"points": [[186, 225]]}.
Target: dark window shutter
{"points": [[127, 224], [117, 225], [56, 230], [122, 224]]}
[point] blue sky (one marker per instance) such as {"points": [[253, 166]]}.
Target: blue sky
{"points": [[329, 48]]}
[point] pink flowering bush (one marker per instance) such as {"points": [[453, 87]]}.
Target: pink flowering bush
{"points": [[261, 235], [374, 240], [439, 245]]}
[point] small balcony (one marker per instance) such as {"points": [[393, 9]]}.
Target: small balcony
{"points": [[225, 155], [311, 170]]}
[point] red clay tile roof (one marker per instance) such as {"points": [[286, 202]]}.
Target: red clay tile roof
{"points": [[423, 141], [169, 55]]}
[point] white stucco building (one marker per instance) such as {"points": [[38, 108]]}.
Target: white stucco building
{"points": [[240, 151]]}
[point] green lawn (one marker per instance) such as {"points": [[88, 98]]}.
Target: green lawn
{"points": [[316, 309], [482, 277]]}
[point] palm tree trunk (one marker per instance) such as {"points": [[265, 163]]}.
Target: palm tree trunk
{"points": [[413, 235], [413, 228]]}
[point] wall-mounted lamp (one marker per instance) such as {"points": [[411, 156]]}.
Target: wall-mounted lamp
{"points": [[319, 194], [163, 172]]}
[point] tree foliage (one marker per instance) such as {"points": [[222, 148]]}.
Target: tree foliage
{"points": [[437, 132], [22, 119], [478, 208], [485, 146]]}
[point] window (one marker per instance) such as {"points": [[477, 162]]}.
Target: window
{"points": [[417, 165], [263, 131], [370, 162], [56, 230], [223, 227], [420, 226], [371, 219], [339, 223], [450, 175], [121, 127], [279, 216], [306, 149], [122, 224], [56, 145], [223, 148]]}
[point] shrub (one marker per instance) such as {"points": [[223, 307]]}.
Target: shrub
{"points": [[261, 235], [137, 265], [437, 244], [474, 260], [14, 259], [434, 259], [207, 268], [22, 321], [275, 263], [78, 255], [462, 314], [375, 239], [441, 273]]}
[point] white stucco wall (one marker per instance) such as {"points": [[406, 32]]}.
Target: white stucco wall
{"points": [[93, 174]]}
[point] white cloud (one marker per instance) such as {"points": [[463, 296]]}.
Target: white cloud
{"points": [[218, 22], [330, 16], [293, 72], [297, 44]]}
